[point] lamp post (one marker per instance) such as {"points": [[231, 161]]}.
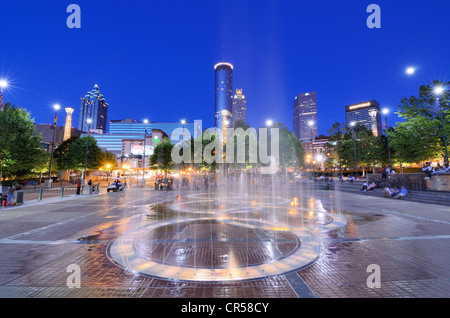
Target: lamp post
{"points": [[56, 107], [311, 126], [3, 84], [352, 124], [88, 122], [438, 91], [385, 113], [183, 122], [143, 157]]}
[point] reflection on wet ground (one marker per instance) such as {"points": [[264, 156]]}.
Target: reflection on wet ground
{"points": [[144, 243]]}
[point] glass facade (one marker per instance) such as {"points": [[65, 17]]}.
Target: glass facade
{"points": [[132, 130], [367, 114], [305, 110], [93, 106], [223, 94], [239, 107]]}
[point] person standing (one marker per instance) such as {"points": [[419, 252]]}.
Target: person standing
{"points": [[9, 195], [78, 186]]}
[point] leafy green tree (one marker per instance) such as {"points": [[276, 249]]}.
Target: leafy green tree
{"points": [[108, 158], [421, 135], [75, 159], [20, 147], [292, 153], [62, 151], [162, 156], [370, 150]]}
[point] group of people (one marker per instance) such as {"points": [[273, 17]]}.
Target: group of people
{"points": [[368, 187], [430, 170], [386, 171], [163, 183], [7, 194], [394, 192]]}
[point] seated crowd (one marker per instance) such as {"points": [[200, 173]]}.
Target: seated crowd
{"points": [[394, 192], [430, 170]]}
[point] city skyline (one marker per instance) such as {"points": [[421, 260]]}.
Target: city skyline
{"points": [[141, 85]]}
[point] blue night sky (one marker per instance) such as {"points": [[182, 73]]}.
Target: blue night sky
{"points": [[155, 59]]}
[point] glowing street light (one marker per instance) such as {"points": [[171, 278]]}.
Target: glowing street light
{"points": [[438, 90], [3, 84], [410, 70], [269, 123]]}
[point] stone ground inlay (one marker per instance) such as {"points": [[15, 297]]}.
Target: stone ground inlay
{"points": [[408, 240]]}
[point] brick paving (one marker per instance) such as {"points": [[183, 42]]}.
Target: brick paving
{"points": [[409, 242]]}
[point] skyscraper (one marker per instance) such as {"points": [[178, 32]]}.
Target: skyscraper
{"points": [[305, 116], [93, 106], [239, 107], [367, 114], [223, 95]]}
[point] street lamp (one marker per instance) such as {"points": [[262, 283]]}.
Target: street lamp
{"points": [[3, 84], [56, 107], [88, 123], [410, 70], [438, 91], [143, 157], [269, 122], [352, 124], [385, 113], [311, 126]]}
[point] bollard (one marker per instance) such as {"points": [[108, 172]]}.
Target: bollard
{"points": [[40, 194], [62, 192]]}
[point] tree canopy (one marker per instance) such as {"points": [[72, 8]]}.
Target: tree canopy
{"points": [[20, 147]]}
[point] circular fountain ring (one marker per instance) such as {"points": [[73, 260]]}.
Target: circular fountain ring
{"points": [[129, 252]]}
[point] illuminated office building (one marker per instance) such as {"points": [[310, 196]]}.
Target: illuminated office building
{"points": [[367, 114], [239, 107], [305, 112], [93, 106], [223, 95]]}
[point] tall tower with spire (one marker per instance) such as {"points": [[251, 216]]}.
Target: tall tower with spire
{"points": [[93, 106], [68, 126]]}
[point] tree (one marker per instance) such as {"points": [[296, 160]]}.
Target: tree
{"points": [[420, 136], [108, 158], [75, 159], [62, 151], [292, 154], [162, 156], [20, 147], [370, 150]]}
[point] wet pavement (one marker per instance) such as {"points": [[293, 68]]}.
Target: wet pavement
{"points": [[267, 243]]}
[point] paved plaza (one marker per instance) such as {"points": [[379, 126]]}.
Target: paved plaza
{"points": [[264, 242]]}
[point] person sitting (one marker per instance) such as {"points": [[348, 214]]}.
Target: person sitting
{"points": [[429, 170], [364, 186], [403, 192], [395, 191], [371, 186], [388, 192]]}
